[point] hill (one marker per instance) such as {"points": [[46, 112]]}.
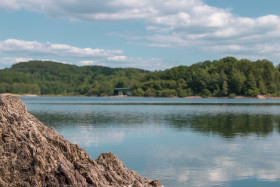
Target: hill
{"points": [[52, 78], [224, 77]]}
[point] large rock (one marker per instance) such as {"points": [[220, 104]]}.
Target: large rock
{"points": [[32, 154]]}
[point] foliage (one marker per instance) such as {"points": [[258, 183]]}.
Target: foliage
{"points": [[224, 77], [51, 78]]}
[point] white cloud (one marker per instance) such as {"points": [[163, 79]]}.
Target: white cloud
{"points": [[149, 64], [118, 58], [12, 60], [87, 62], [9, 5], [28, 50], [36, 48], [8, 61], [169, 23]]}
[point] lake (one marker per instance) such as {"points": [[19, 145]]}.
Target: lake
{"points": [[181, 142]]}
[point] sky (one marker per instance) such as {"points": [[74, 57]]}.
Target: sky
{"points": [[152, 35]]}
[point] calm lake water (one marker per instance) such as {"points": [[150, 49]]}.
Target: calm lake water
{"points": [[181, 142]]}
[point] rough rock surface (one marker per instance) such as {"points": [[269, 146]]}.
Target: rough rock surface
{"points": [[32, 154]]}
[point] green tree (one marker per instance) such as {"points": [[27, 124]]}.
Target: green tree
{"points": [[251, 88], [225, 89]]}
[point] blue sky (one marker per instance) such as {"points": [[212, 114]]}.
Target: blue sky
{"points": [[146, 34]]}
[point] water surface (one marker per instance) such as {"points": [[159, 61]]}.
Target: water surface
{"points": [[182, 142]]}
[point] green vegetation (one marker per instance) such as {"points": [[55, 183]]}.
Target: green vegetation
{"points": [[51, 78], [225, 77]]}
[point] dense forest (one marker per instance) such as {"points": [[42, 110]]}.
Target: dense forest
{"points": [[224, 77]]}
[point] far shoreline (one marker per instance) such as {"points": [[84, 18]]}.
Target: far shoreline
{"points": [[267, 97]]}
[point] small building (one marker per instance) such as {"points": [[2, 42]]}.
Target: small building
{"points": [[122, 91]]}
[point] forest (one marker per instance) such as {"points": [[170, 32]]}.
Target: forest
{"points": [[225, 77]]}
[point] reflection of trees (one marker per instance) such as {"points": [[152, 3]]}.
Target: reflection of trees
{"points": [[227, 125], [87, 119], [277, 123]]}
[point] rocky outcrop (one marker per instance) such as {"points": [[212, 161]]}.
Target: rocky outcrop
{"points": [[32, 154]]}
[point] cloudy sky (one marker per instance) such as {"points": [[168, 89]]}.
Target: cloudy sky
{"points": [[148, 34]]}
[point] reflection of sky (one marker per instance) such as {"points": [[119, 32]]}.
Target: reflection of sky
{"points": [[146, 140], [213, 162], [87, 137], [208, 161]]}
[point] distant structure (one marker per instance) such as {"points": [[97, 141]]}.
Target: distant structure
{"points": [[122, 91]]}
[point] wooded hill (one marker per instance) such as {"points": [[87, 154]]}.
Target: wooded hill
{"points": [[225, 77]]}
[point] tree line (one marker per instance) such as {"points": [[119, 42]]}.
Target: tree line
{"points": [[224, 77]]}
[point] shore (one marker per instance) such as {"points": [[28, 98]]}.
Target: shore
{"points": [[27, 95], [119, 96], [238, 97]]}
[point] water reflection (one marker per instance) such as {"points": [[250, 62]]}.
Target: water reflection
{"points": [[182, 145], [220, 164], [227, 125]]}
